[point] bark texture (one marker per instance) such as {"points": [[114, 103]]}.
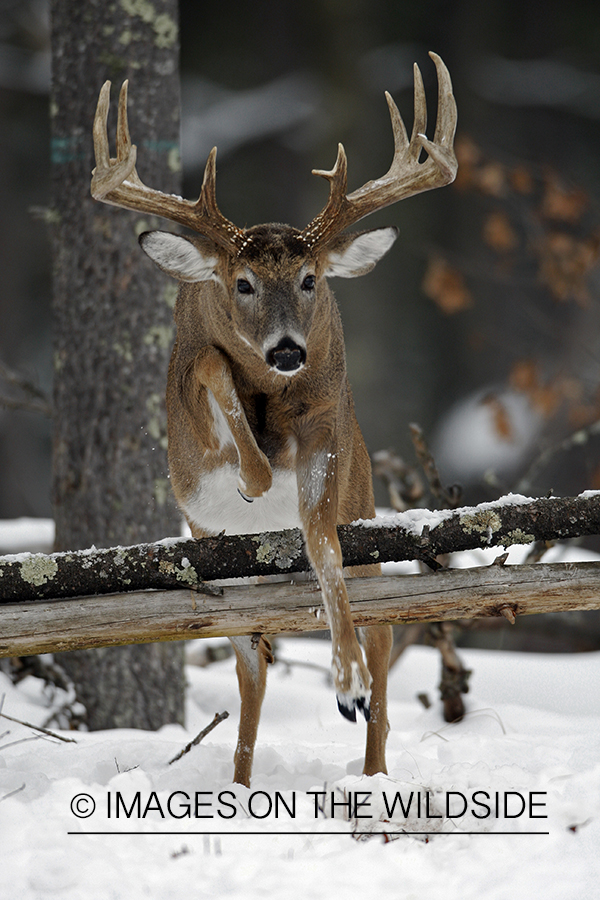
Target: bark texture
{"points": [[191, 563], [113, 327], [450, 594]]}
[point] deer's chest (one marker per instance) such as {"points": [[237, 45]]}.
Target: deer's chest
{"points": [[216, 505]]}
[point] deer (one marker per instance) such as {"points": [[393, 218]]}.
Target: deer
{"points": [[262, 432]]}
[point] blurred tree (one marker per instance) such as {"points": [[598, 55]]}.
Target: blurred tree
{"points": [[113, 331]]}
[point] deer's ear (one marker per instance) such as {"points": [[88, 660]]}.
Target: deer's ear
{"points": [[179, 257], [352, 255]]}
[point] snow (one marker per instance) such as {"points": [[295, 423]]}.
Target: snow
{"points": [[533, 728], [414, 520], [469, 442], [531, 737], [26, 535]]}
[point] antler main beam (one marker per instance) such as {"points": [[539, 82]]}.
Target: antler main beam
{"points": [[116, 181], [406, 175]]}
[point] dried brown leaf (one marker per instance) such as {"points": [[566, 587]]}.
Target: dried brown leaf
{"points": [[446, 286], [499, 234], [522, 181], [561, 203], [565, 263], [544, 397], [500, 418]]}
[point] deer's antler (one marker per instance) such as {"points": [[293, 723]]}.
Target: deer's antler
{"points": [[406, 175], [116, 181]]}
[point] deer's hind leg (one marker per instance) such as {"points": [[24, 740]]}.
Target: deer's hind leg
{"points": [[253, 656], [377, 642]]}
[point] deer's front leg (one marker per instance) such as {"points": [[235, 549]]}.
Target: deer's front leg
{"points": [[317, 494], [212, 371]]}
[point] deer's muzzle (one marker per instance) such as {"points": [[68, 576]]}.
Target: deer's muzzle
{"points": [[287, 356]]}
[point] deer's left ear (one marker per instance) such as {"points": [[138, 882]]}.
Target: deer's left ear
{"points": [[352, 255]]}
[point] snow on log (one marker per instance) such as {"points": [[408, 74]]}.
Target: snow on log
{"points": [[175, 563], [125, 595]]}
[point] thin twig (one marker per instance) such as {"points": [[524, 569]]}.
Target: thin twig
{"points": [[402, 481], [303, 664], [219, 717], [36, 401], [25, 740], [26, 405], [581, 436], [39, 728], [450, 497], [12, 793]]}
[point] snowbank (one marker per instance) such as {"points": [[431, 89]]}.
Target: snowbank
{"points": [[532, 735]]}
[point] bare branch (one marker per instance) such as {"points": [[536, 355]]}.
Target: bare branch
{"points": [[404, 485], [39, 728], [448, 498], [581, 436], [34, 400], [219, 717]]}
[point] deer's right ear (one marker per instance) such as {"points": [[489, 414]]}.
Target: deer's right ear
{"points": [[179, 257]]}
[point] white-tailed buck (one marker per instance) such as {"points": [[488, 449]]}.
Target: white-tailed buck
{"points": [[261, 425]]}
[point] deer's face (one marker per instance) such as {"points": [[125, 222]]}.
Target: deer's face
{"points": [[274, 289]]}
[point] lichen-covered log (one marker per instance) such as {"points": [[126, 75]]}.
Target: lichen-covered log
{"points": [[111, 620], [172, 563], [421, 534], [418, 534]]}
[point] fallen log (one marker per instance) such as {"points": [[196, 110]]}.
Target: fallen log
{"points": [[112, 620], [417, 534]]}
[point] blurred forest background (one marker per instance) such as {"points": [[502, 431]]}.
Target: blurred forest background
{"points": [[483, 322]]}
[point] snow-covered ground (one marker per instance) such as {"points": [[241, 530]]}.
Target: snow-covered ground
{"points": [[108, 817], [533, 729]]}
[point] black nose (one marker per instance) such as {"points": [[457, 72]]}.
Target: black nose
{"points": [[287, 356]]}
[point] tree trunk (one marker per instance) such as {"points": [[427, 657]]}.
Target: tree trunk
{"points": [[113, 330]]}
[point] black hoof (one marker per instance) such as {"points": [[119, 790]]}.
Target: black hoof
{"points": [[348, 712], [348, 709], [364, 707]]}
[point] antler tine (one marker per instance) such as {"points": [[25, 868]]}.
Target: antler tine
{"points": [[398, 127], [447, 112], [109, 173], [100, 134], [116, 181], [123, 137], [338, 176], [214, 223], [406, 175], [208, 192], [441, 150], [338, 181], [125, 149], [420, 114]]}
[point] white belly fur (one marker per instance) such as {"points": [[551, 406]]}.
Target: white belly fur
{"points": [[217, 506]]}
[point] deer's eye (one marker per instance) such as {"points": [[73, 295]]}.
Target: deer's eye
{"points": [[309, 283], [244, 286]]}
